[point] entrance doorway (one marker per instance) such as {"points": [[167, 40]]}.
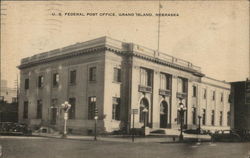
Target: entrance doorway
{"points": [[163, 114], [144, 111]]}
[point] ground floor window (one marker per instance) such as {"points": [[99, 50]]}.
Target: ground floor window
{"points": [[25, 109], [39, 109], [228, 118], [116, 109], [194, 115], [91, 107], [212, 118], [144, 110], [221, 116], [71, 112], [204, 117]]}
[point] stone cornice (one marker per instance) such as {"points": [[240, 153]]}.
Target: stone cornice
{"points": [[105, 43]]}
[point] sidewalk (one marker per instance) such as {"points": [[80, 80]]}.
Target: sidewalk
{"points": [[140, 139]]}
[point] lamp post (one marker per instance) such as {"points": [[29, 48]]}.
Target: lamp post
{"points": [[145, 111], [199, 128], [96, 118], [66, 106], [181, 110]]}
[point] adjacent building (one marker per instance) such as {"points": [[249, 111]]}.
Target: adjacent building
{"points": [[240, 105], [116, 77]]}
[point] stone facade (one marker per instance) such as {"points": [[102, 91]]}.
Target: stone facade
{"points": [[117, 77]]}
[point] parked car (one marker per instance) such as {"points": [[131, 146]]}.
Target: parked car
{"points": [[196, 131], [226, 135], [10, 128]]}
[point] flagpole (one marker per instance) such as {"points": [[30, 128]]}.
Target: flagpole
{"points": [[159, 21]]}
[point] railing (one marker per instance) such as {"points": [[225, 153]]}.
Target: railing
{"points": [[181, 95], [145, 89], [165, 92]]}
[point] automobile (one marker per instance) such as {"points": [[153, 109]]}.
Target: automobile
{"points": [[196, 131], [226, 136], [10, 128]]}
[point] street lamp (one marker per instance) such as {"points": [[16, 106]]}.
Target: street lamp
{"points": [[66, 106], [96, 118], [145, 111], [199, 128], [181, 110]]}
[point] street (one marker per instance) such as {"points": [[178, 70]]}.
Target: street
{"points": [[41, 147]]}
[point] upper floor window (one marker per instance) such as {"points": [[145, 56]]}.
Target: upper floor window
{"points": [[182, 85], [213, 96], [205, 94], [55, 79], [146, 77], [71, 112], [165, 81], [40, 81], [26, 83], [221, 99], [117, 75], [91, 107], [73, 77], [194, 91], [116, 109], [39, 109], [92, 74]]}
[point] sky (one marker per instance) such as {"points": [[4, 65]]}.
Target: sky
{"points": [[211, 34]]}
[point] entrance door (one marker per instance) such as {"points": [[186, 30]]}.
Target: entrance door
{"points": [[53, 116], [163, 114]]}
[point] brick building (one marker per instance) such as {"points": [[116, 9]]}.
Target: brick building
{"points": [[117, 77]]}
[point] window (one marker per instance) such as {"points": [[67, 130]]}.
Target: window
{"points": [[40, 81], [117, 75], [146, 77], [39, 109], [73, 77], [25, 109], [55, 79], [203, 116], [221, 116], [194, 115], [182, 85], [221, 99], [91, 107], [71, 112], [116, 109], [205, 94], [194, 91], [213, 97], [26, 84], [212, 118], [165, 81], [54, 102], [92, 74], [14, 99], [228, 118]]}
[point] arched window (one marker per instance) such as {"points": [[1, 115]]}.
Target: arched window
{"points": [[144, 107]]}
